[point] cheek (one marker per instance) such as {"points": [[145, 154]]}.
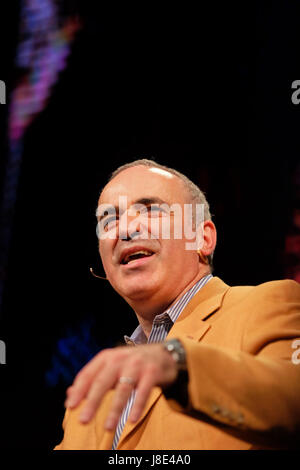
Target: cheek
{"points": [[173, 253], [180, 258], [166, 228], [106, 250]]}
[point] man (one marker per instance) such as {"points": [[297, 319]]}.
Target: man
{"points": [[209, 366]]}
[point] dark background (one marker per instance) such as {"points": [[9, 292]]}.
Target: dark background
{"points": [[207, 91]]}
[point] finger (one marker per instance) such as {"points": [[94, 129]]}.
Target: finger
{"points": [[83, 381], [104, 381], [144, 388], [121, 397]]}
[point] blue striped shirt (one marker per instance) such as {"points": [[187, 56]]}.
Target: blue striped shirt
{"points": [[161, 326]]}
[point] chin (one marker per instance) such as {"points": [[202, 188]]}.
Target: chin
{"points": [[136, 289]]}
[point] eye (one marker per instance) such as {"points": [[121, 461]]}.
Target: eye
{"points": [[155, 210], [109, 223]]}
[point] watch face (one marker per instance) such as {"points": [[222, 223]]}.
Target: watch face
{"points": [[176, 356], [175, 348]]}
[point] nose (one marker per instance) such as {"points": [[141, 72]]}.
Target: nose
{"points": [[130, 227]]}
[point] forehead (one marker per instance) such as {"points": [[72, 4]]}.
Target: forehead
{"points": [[142, 182]]}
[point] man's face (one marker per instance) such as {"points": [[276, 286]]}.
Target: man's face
{"points": [[139, 261]]}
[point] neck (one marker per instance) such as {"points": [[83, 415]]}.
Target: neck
{"points": [[147, 309]]}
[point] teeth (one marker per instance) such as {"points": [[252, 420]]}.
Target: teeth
{"points": [[140, 252]]}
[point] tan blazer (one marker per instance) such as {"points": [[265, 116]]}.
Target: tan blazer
{"points": [[244, 387]]}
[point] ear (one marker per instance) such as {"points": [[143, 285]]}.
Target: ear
{"points": [[207, 237]]}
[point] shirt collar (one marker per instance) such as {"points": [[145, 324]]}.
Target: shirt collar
{"points": [[170, 315]]}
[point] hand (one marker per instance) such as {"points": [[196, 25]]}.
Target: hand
{"points": [[147, 365]]}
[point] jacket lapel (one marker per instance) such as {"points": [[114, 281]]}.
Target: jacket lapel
{"points": [[190, 324]]}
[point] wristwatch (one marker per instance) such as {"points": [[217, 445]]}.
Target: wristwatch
{"points": [[177, 351]]}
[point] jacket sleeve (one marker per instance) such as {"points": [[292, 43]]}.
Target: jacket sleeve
{"points": [[254, 392], [77, 436]]}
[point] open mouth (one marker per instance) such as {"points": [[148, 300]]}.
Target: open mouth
{"points": [[136, 255]]}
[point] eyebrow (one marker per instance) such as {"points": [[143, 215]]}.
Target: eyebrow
{"points": [[149, 200], [146, 201]]}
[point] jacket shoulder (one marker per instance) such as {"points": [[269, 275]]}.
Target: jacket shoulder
{"points": [[280, 288]]}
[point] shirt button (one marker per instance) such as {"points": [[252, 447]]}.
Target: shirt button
{"points": [[215, 408], [129, 342], [225, 413]]}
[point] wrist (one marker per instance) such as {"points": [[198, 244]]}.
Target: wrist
{"points": [[177, 391], [176, 350]]}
